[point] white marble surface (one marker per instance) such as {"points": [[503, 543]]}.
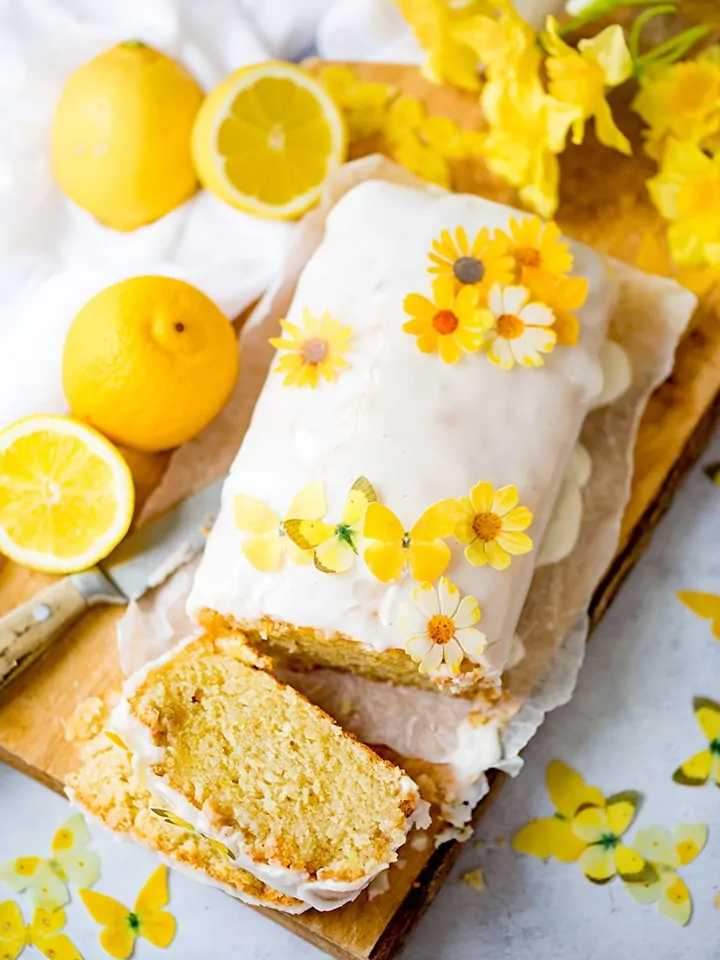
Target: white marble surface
{"points": [[629, 725]]}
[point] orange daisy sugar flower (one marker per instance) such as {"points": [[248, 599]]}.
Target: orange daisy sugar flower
{"points": [[533, 243], [482, 262], [309, 354], [563, 295], [452, 323]]}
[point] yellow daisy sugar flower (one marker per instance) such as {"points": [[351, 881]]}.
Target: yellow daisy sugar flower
{"points": [[312, 353], [580, 79], [666, 853], [686, 191], [492, 525], [441, 625], [563, 295], [680, 100], [362, 103], [268, 543], [521, 331], [451, 323], [602, 829], [532, 243], [480, 263]]}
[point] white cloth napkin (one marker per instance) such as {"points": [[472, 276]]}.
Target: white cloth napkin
{"points": [[53, 255]]}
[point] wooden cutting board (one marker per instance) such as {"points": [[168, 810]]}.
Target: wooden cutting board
{"points": [[605, 204]]}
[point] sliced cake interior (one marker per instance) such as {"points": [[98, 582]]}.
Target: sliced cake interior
{"points": [[253, 764], [109, 791]]}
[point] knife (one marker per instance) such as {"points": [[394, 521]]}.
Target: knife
{"points": [[143, 560]]}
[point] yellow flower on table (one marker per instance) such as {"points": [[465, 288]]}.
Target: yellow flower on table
{"points": [[480, 263], [532, 243], [452, 323], [441, 625], [580, 79], [521, 330], [680, 100], [363, 104], [686, 191], [492, 526], [666, 854], [602, 829], [313, 352], [563, 295]]}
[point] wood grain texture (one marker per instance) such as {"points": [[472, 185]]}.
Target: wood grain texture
{"points": [[604, 203]]}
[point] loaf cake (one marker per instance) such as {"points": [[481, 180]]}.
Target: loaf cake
{"points": [[250, 764], [384, 512]]}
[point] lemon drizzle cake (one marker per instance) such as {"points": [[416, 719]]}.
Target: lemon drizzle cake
{"points": [[384, 511], [251, 764]]}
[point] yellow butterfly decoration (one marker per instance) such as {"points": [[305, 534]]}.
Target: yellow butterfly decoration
{"points": [[705, 605], [602, 829], [47, 879], [712, 471], [147, 919], [43, 933], [553, 836], [421, 548], [666, 854], [334, 546], [267, 544], [172, 818], [705, 765]]}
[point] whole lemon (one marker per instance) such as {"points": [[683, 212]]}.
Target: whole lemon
{"points": [[121, 135], [149, 362]]}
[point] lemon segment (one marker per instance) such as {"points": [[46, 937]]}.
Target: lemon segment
{"points": [[66, 494], [266, 139]]}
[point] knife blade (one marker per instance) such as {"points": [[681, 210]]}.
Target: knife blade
{"points": [[143, 560]]}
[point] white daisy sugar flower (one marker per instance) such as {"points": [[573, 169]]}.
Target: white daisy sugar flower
{"points": [[521, 331], [440, 625]]}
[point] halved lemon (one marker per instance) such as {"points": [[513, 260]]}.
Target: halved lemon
{"points": [[266, 138], [66, 494]]}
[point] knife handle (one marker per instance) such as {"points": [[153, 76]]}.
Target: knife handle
{"points": [[27, 631]]}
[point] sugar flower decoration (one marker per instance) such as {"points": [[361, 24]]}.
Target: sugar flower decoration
{"points": [[553, 836], [580, 79], [441, 625], [602, 829], [147, 919], [705, 765], [705, 605], [686, 191], [452, 323], [481, 262], [681, 100], [422, 548], [520, 330], [46, 879], [267, 543], [491, 526], [665, 854], [43, 933], [533, 243], [314, 352], [564, 295], [334, 546]]}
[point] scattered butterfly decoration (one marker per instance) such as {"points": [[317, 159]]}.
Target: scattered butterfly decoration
{"points": [[666, 854], [268, 543], [334, 546], [705, 765], [705, 605], [147, 919], [712, 472], [421, 548], [43, 933], [47, 879]]}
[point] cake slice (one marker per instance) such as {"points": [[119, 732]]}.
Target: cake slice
{"points": [[251, 764], [107, 789], [436, 366]]}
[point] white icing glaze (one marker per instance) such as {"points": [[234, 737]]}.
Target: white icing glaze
{"points": [[419, 429], [320, 893], [563, 530]]}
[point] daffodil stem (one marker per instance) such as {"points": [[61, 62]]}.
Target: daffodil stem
{"points": [[670, 51], [599, 8], [641, 21]]}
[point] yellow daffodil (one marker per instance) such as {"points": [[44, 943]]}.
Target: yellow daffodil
{"points": [[653, 257], [505, 44], [532, 243], [362, 103], [521, 330], [481, 263], [441, 625], [666, 854], [312, 352], [680, 100], [686, 191], [581, 78], [491, 526], [452, 323], [602, 829], [563, 295]]}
